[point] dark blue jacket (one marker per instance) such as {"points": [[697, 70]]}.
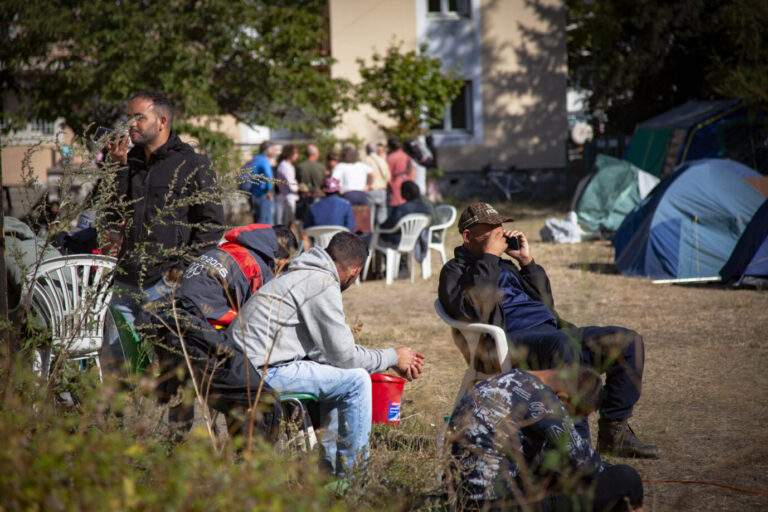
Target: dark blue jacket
{"points": [[398, 212], [331, 210], [216, 285]]}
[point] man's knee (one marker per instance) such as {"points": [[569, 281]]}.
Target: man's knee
{"points": [[361, 381]]}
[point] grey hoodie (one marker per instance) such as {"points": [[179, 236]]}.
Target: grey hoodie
{"points": [[302, 315]]}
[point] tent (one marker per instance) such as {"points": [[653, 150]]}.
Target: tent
{"points": [[748, 263], [695, 130], [688, 227], [611, 192]]}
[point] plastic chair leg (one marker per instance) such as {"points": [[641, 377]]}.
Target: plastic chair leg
{"points": [[391, 272], [306, 436], [442, 254], [412, 265], [371, 254], [426, 265]]}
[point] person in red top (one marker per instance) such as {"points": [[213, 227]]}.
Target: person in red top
{"points": [[400, 168]]}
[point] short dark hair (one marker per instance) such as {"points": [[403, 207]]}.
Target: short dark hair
{"points": [[393, 144], [286, 242], [349, 155], [347, 249], [410, 190], [264, 146], [159, 100]]}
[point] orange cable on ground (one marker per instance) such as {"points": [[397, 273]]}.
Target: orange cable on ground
{"points": [[703, 482]]}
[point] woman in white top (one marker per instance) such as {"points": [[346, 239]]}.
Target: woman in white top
{"points": [[288, 187], [354, 177]]}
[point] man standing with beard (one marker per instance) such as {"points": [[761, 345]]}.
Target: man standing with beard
{"points": [[172, 212]]}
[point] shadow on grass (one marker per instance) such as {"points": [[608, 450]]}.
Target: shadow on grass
{"points": [[597, 268]]}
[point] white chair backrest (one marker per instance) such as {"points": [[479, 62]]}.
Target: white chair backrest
{"points": [[322, 234], [447, 214], [71, 294], [411, 227], [468, 342]]}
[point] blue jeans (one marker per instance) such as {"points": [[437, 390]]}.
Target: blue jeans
{"points": [[262, 209], [345, 399]]}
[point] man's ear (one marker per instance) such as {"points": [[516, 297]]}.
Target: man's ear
{"points": [[465, 236], [163, 122]]}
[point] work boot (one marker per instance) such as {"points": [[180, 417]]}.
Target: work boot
{"points": [[616, 437]]}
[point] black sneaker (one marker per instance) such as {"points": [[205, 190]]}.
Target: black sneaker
{"points": [[616, 437]]}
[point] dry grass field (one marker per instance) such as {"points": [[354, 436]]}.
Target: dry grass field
{"points": [[705, 385]]}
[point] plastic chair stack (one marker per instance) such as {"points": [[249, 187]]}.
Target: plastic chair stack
{"points": [[70, 295]]}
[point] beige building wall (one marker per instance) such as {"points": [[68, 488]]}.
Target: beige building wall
{"points": [[360, 28], [40, 159], [522, 83]]}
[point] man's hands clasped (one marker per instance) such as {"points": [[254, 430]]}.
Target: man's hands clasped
{"points": [[410, 363]]}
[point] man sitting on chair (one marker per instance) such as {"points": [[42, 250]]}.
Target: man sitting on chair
{"points": [[477, 285], [413, 204], [295, 333], [213, 288], [332, 210]]}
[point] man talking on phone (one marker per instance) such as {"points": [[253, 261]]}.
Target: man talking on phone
{"points": [[478, 285], [172, 212]]}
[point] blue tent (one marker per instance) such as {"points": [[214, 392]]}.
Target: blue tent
{"points": [[749, 259], [689, 225]]}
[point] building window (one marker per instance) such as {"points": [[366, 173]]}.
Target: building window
{"points": [[449, 7], [459, 115]]}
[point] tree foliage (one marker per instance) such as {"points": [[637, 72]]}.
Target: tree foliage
{"points": [[259, 60], [636, 59], [409, 87]]}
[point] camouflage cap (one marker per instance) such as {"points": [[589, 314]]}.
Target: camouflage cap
{"points": [[480, 213]]}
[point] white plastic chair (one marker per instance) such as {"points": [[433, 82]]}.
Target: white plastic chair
{"points": [[410, 227], [467, 338], [70, 295], [447, 215], [321, 235]]}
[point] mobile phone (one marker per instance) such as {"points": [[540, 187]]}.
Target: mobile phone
{"points": [[102, 131], [513, 243]]}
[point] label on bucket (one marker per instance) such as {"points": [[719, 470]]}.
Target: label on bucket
{"points": [[394, 411]]}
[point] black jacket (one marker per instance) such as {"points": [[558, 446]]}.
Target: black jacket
{"points": [[216, 286], [469, 289], [173, 213]]}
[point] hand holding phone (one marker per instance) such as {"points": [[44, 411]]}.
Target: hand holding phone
{"points": [[513, 243]]}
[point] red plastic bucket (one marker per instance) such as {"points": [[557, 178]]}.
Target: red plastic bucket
{"points": [[387, 391]]}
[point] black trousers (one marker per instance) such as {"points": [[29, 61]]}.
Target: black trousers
{"points": [[615, 351], [617, 489]]}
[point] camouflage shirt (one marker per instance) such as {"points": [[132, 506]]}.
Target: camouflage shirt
{"points": [[511, 436]]}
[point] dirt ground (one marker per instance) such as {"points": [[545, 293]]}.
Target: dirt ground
{"points": [[705, 387]]}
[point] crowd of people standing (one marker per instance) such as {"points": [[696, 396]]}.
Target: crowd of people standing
{"points": [[283, 189]]}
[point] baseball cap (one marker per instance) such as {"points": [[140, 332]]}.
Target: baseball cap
{"points": [[480, 213], [331, 185]]}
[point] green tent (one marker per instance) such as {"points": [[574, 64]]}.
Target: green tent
{"points": [[691, 131], [611, 193]]}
